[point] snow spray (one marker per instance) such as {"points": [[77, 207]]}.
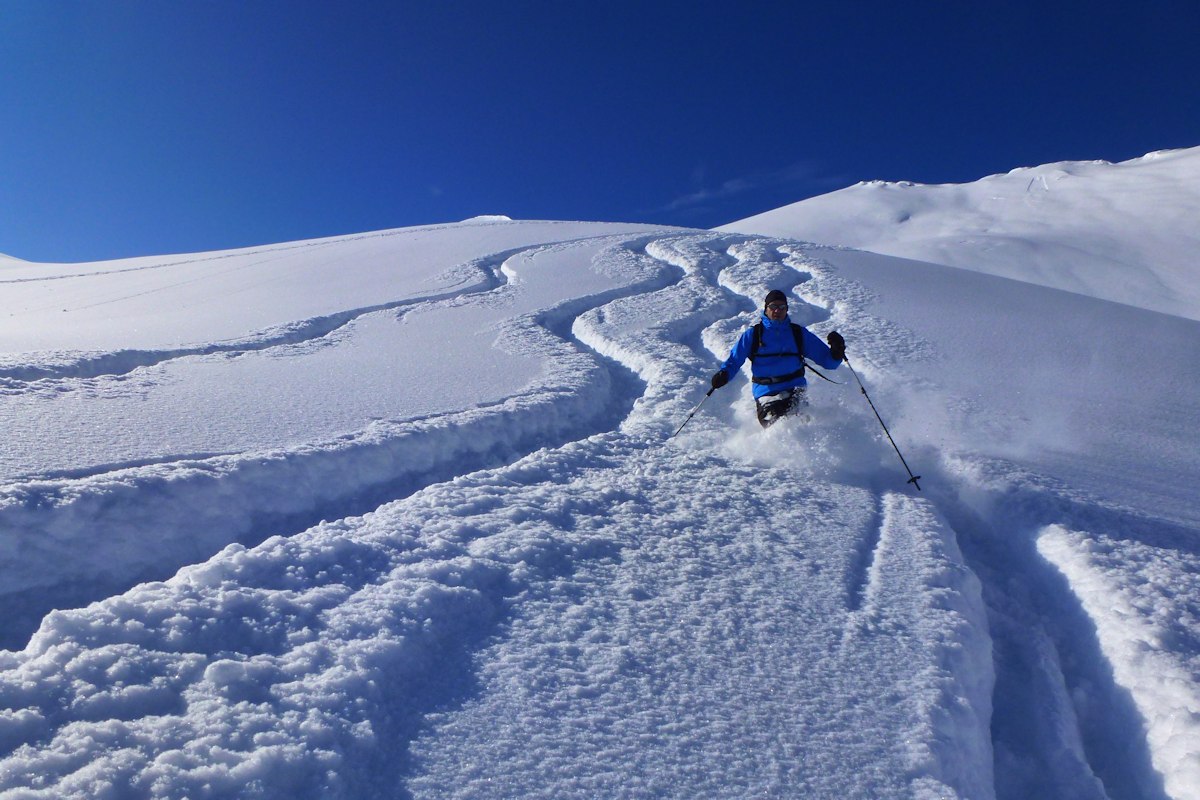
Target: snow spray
{"points": [[911, 478]]}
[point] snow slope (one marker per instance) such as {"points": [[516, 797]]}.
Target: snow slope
{"points": [[1069, 421], [401, 515], [1124, 232]]}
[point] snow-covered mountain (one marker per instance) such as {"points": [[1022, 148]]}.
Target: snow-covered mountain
{"points": [[401, 514], [1127, 232]]}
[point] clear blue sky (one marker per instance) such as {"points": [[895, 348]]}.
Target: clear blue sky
{"points": [[138, 128]]}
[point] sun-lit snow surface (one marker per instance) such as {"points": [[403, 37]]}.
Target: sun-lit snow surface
{"points": [[1127, 232], [1069, 425], [542, 594]]}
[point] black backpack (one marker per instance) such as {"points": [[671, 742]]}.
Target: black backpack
{"points": [[756, 345]]}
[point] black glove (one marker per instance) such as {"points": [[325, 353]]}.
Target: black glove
{"points": [[837, 345], [720, 378]]}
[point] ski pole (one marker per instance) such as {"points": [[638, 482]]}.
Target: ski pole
{"points": [[911, 478], [694, 410]]}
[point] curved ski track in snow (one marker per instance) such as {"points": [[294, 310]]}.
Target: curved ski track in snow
{"points": [[534, 567], [65, 372], [202, 504]]}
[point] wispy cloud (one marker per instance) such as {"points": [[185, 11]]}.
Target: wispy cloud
{"points": [[804, 174]]}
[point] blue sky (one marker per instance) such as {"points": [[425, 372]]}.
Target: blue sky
{"points": [[139, 128]]}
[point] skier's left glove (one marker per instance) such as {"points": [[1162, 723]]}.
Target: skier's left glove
{"points": [[837, 345]]}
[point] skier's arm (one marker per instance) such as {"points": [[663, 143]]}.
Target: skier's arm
{"points": [[737, 357], [818, 352]]}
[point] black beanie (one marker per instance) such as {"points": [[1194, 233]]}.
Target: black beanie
{"points": [[774, 296]]}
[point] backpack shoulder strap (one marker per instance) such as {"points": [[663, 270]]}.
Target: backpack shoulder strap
{"points": [[756, 341], [798, 334]]}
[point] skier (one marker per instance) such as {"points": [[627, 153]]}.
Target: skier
{"points": [[777, 348]]}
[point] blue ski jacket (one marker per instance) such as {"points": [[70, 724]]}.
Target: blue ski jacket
{"points": [[777, 355]]}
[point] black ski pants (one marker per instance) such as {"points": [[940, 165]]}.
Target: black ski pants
{"points": [[773, 406]]}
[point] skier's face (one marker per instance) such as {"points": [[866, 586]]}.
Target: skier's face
{"points": [[776, 311]]}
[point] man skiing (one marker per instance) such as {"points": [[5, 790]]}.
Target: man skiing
{"points": [[777, 348]]}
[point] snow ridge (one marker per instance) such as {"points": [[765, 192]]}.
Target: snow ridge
{"points": [[1122, 232], [1136, 623]]}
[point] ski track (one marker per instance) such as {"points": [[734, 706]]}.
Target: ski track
{"points": [[1066, 722], [456, 558], [65, 372], [1048, 743], [62, 372], [202, 505], [862, 584], [153, 263]]}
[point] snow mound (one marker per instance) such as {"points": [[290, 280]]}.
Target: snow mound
{"points": [[1142, 601], [1123, 232]]}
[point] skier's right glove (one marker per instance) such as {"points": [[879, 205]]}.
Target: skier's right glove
{"points": [[837, 345], [720, 378]]}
